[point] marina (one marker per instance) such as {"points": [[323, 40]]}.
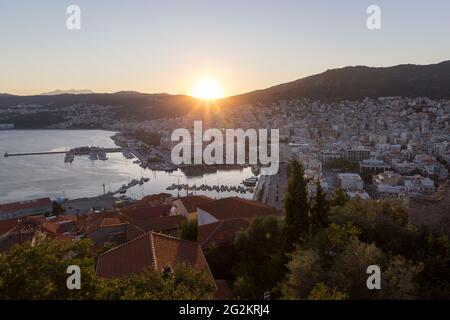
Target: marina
{"points": [[214, 188], [52, 171]]}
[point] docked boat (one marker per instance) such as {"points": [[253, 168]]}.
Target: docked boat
{"points": [[69, 157], [133, 183], [256, 170], [123, 189], [250, 182], [102, 155], [93, 155], [127, 154]]}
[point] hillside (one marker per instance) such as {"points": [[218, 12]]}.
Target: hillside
{"points": [[359, 82]]}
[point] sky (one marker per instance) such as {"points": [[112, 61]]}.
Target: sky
{"points": [[168, 45]]}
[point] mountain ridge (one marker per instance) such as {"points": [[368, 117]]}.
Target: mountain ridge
{"points": [[358, 82], [346, 83]]}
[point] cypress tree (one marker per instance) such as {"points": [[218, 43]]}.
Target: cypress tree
{"points": [[189, 230], [296, 206], [319, 210]]}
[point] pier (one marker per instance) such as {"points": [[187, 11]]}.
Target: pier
{"points": [[69, 154], [33, 153]]}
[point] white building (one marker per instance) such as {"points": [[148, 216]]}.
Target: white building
{"points": [[350, 181]]}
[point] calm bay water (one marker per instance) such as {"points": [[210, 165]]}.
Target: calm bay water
{"points": [[28, 177]]}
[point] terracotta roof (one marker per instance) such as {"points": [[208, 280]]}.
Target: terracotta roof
{"points": [[24, 205], [105, 223], [150, 200], [58, 227], [151, 250], [192, 202], [7, 225], [157, 197], [133, 231], [145, 213], [165, 223], [234, 207], [221, 233], [38, 219]]}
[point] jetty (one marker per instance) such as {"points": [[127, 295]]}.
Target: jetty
{"points": [[95, 153], [33, 153]]}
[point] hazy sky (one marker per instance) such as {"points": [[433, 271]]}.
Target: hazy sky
{"points": [[167, 45]]}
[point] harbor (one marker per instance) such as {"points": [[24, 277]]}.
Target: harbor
{"points": [[247, 186], [94, 153], [86, 177]]}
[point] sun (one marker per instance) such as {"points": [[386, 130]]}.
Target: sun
{"points": [[207, 89]]}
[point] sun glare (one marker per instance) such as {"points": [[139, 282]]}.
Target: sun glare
{"points": [[207, 89]]}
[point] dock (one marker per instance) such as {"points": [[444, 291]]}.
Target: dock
{"points": [[33, 153], [70, 153]]}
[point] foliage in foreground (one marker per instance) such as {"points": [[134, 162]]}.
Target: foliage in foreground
{"points": [[39, 272], [328, 245]]}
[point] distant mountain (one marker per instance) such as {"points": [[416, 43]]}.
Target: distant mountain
{"points": [[358, 82], [71, 91], [134, 105]]}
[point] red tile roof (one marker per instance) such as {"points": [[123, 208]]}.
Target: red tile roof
{"points": [[151, 250], [234, 207], [105, 223], [220, 233], [145, 213], [24, 205], [58, 227], [192, 202], [134, 231], [151, 200], [7, 225]]}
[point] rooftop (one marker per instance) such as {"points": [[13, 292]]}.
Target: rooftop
{"points": [[151, 250], [234, 207]]}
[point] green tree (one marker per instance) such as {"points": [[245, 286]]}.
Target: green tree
{"points": [[322, 292], [260, 258], [189, 230], [384, 223], [399, 280], [339, 198], [35, 272], [181, 283], [304, 272], [434, 252], [245, 288], [39, 271], [296, 206], [57, 208], [319, 210]]}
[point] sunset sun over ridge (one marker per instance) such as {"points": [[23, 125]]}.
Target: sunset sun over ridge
{"points": [[207, 89]]}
